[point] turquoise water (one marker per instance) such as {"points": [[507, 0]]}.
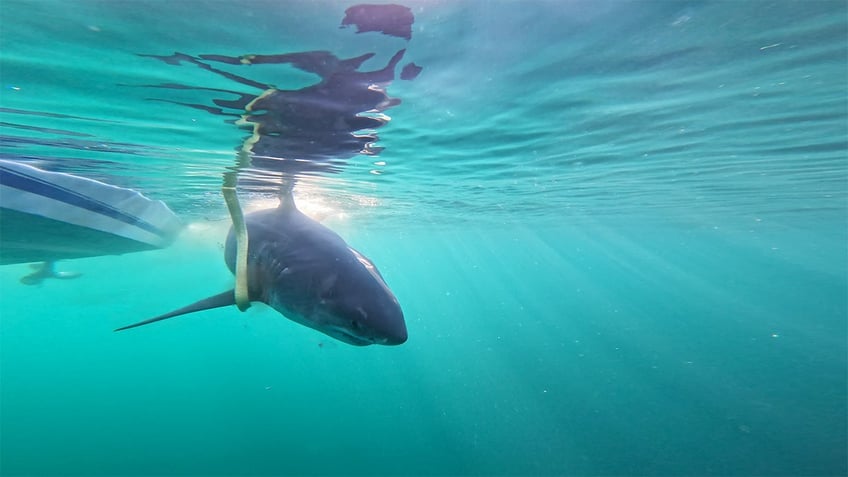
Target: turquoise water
{"points": [[617, 230]]}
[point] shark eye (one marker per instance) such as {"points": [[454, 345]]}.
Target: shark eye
{"points": [[355, 324]]}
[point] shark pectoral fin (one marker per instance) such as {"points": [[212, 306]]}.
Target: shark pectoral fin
{"points": [[217, 301]]}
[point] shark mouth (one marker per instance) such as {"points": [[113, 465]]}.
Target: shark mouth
{"points": [[349, 338]]}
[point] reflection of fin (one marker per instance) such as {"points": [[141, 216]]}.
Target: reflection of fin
{"points": [[286, 198], [222, 299], [46, 270]]}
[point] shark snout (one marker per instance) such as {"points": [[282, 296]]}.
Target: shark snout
{"points": [[396, 337], [392, 327], [385, 328]]}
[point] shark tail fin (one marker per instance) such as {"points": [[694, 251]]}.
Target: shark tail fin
{"points": [[217, 301]]}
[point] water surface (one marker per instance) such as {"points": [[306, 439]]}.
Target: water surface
{"points": [[617, 230]]}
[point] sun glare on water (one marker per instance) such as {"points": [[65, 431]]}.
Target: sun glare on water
{"points": [[309, 199]]}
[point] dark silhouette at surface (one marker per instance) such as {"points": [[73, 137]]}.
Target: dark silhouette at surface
{"points": [[319, 127], [394, 20]]}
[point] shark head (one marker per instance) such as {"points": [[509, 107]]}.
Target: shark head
{"points": [[328, 286], [356, 306], [360, 324], [309, 274]]}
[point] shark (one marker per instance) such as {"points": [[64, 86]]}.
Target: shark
{"points": [[309, 274]]}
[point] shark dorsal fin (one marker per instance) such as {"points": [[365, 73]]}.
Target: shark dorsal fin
{"points": [[286, 198]]}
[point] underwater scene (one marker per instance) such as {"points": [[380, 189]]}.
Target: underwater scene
{"points": [[423, 238]]}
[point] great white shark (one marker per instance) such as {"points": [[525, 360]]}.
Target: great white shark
{"points": [[312, 276]]}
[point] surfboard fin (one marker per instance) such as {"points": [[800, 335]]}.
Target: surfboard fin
{"points": [[217, 301], [46, 270]]}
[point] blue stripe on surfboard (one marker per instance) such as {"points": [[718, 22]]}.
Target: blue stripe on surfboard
{"points": [[43, 188]]}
